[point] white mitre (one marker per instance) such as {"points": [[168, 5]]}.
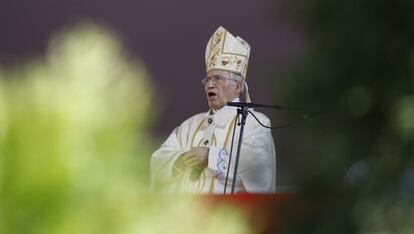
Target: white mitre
{"points": [[226, 52]]}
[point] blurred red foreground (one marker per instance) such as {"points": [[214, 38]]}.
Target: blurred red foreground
{"points": [[266, 213]]}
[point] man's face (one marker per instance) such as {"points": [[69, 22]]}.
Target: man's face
{"points": [[220, 91]]}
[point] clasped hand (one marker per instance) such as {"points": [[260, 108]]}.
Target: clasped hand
{"points": [[197, 157]]}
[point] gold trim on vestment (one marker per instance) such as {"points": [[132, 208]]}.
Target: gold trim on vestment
{"points": [[197, 129], [214, 142]]}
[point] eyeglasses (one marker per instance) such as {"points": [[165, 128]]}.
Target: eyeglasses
{"points": [[215, 79]]}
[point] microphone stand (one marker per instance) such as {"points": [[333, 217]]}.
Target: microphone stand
{"points": [[243, 110]]}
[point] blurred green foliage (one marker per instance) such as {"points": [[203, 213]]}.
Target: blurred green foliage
{"points": [[357, 77], [74, 146]]}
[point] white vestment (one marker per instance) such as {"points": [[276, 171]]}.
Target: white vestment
{"points": [[257, 165]]}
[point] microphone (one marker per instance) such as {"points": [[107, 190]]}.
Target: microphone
{"points": [[239, 104], [250, 105]]}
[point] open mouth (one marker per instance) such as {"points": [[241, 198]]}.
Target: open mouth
{"points": [[211, 94]]}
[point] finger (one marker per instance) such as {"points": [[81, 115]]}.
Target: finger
{"points": [[198, 150], [202, 151], [191, 161], [189, 154], [195, 164], [199, 162]]}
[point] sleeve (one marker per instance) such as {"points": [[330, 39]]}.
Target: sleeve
{"points": [[257, 163], [164, 166]]}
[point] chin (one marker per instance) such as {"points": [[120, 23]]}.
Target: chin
{"points": [[212, 106], [215, 105]]}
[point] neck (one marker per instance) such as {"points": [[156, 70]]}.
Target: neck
{"points": [[236, 99]]}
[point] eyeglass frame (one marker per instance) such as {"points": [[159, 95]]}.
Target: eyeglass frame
{"points": [[214, 79]]}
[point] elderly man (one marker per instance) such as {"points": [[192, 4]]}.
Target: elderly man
{"points": [[195, 157]]}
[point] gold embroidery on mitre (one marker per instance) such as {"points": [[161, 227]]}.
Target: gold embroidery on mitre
{"points": [[215, 49], [226, 52], [230, 60]]}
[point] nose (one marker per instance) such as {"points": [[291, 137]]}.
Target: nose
{"points": [[210, 83]]}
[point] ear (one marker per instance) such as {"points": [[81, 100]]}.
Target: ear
{"points": [[238, 88]]}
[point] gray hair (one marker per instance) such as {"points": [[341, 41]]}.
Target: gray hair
{"points": [[239, 79]]}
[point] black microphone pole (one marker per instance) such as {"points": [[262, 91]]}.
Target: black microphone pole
{"points": [[243, 111], [250, 105]]}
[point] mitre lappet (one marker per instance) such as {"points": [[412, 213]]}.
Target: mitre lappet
{"points": [[228, 53]]}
